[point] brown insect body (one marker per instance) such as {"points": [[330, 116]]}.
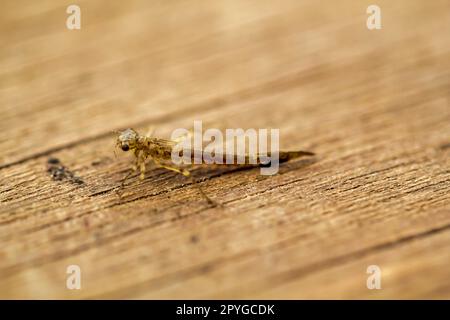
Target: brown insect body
{"points": [[160, 152]]}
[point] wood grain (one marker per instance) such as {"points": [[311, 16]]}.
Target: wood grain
{"points": [[373, 106]]}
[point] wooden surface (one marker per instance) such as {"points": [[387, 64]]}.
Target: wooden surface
{"points": [[373, 105]]}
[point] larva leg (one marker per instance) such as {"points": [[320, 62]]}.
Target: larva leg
{"points": [[132, 170], [204, 195], [136, 162], [142, 169], [122, 184], [186, 173]]}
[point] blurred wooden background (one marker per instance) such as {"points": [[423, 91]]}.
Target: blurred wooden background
{"points": [[374, 106]]}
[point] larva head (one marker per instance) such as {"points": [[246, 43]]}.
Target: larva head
{"points": [[127, 139]]}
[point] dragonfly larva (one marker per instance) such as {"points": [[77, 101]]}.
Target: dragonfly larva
{"points": [[159, 152]]}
